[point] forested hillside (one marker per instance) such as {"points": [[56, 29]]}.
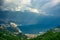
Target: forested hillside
{"points": [[7, 35], [53, 34]]}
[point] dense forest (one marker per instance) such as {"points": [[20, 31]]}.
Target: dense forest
{"points": [[53, 34]]}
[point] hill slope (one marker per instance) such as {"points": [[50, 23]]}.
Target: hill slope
{"points": [[7, 35], [49, 35], [53, 34]]}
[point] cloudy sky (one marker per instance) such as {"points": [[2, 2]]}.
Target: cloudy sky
{"points": [[26, 12], [39, 7], [36, 6]]}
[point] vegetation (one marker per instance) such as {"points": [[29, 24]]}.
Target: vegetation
{"points": [[6, 35], [49, 35]]}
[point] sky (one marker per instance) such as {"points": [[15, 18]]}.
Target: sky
{"points": [[28, 12], [36, 6], [40, 7]]}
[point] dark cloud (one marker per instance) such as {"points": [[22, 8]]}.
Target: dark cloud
{"points": [[1, 4]]}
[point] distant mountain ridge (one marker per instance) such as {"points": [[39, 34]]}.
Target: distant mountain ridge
{"points": [[49, 35], [11, 28], [5, 34]]}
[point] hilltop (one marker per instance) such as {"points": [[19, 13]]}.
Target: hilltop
{"points": [[53, 34]]}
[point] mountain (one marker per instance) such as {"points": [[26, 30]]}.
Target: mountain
{"points": [[12, 27], [57, 29], [53, 34], [7, 35], [49, 35]]}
